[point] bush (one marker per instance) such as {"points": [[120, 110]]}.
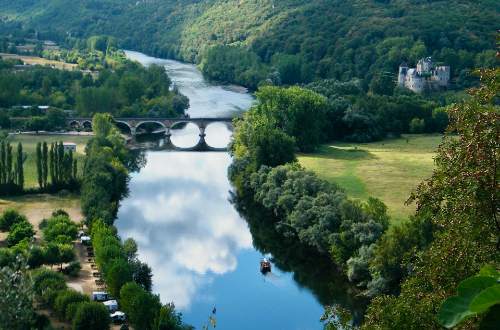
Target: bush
{"points": [[6, 257], [36, 257], [59, 212], [20, 231], [73, 269], [10, 217], [91, 315], [63, 300], [47, 284], [60, 229], [417, 126]]}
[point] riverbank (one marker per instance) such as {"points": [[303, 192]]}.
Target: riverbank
{"points": [[389, 169]]}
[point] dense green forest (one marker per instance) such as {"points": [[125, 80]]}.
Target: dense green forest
{"points": [[127, 89], [284, 41]]}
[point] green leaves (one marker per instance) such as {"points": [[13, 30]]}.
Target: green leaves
{"points": [[485, 299], [475, 296]]}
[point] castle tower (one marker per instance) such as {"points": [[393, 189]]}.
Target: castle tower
{"points": [[441, 76], [403, 70], [424, 65]]}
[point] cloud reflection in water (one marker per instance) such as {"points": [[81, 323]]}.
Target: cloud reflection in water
{"points": [[186, 230]]}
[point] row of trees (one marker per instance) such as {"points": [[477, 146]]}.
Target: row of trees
{"points": [[353, 115], [11, 169], [104, 184], [61, 165]]}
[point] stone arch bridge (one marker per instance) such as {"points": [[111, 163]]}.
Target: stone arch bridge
{"points": [[167, 124]]}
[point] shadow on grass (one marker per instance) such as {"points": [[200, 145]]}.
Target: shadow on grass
{"points": [[343, 153]]}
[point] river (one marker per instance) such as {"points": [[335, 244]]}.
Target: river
{"points": [[200, 249]]}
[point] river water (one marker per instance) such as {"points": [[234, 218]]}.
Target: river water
{"points": [[200, 249]]}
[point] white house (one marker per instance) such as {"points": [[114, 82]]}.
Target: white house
{"points": [[69, 146]]}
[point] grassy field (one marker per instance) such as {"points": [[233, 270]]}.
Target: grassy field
{"points": [[33, 60], [29, 147], [388, 169]]}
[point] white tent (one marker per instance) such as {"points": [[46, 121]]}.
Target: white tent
{"points": [[85, 239], [112, 305], [118, 316]]}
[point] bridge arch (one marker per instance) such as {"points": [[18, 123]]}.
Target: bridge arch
{"points": [[86, 124], [74, 124], [149, 122], [123, 126]]}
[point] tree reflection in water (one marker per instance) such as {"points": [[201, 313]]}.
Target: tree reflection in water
{"points": [[311, 270]]}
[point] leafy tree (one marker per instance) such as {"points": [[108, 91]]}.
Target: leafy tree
{"points": [[9, 218], [140, 306], [47, 284], [60, 229], [130, 248], [57, 254], [45, 164], [168, 319], [20, 231], [142, 274], [65, 298], [382, 84], [299, 112], [20, 166], [36, 257], [91, 315], [118, 273], [417, 125], [39, 164], [16, 300]]}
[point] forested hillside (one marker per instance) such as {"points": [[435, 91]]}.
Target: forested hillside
{"points": [[286, 41]]}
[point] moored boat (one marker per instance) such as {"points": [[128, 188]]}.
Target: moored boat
{"points": [[265, 266]]}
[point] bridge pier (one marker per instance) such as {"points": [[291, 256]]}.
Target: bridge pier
{"points": [[133, 131]]}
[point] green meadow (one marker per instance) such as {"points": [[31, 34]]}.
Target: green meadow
{"points": [[389, 170], [29, 147]]}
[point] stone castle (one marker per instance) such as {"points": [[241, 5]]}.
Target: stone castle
{"points": [[426, 76]]}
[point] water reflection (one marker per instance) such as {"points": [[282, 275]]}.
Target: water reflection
{"points": [[199, 248], [186, 230]]}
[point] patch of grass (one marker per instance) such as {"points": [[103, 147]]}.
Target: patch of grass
{"points": [[388, 169], [29, 147], [40, 206]]}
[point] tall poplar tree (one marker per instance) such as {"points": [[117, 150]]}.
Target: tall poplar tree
{"points": [[2, 163], [8, 165], [39, 164], [45, 164], [20, 165], [52, 164], [75, 169]]}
